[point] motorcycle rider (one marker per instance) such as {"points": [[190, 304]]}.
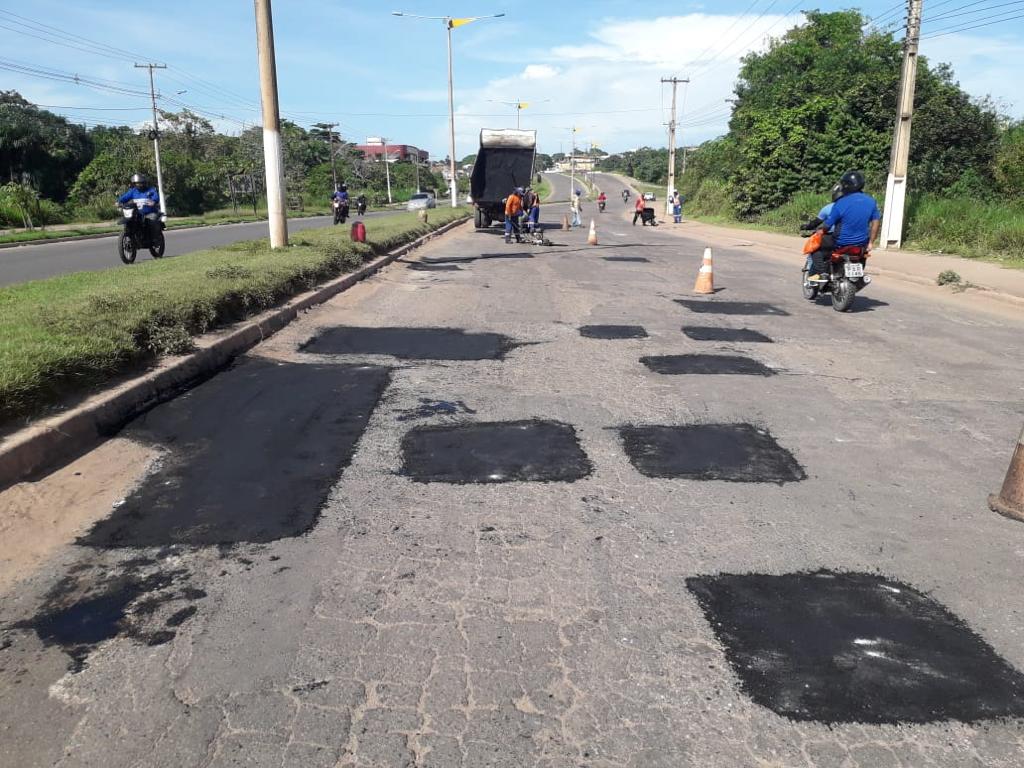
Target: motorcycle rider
{"points": [[602, 201], [513, 210], [341, 197], [625, 197], [816, 260], [361, 204], [140, 188], [855, 217]]}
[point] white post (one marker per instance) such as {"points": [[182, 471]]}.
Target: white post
{"points": [[156, 135], [454, 183], [387, 168], [272, 153], [896, 183]]}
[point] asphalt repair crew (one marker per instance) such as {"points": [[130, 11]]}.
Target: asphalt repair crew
{"points": [[513, 211]]}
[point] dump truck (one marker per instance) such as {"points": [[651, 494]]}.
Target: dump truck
{"points": [[505, 161]]}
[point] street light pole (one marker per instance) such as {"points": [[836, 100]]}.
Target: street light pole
{"points": [[450, 23], [329, 127], [272, 155], [387, 167], [156, 135]]}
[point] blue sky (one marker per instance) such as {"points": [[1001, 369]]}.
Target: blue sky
{"points": [[594, 65]]}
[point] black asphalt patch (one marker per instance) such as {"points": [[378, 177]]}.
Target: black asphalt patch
{"points": [[854, 648], [425, 267], [80, 613], [411, 343], [706, 364], [428, 408], [253, 454], [731, 307], [714, 333], [636, 259], [494, 452], [738, 453], [613, 332]]}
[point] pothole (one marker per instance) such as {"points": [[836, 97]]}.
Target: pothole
{"points": [[712, 306], [494, 452], [411, 343], [733, 452], [854, 648], [613, 332], [713, 333], [674, 365]]}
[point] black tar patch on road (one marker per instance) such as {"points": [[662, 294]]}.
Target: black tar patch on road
{"points": [[706, 364], [613, 332], [424, 267], [854, 648], [495, 452], [636, 259], [713, 333], [411, 343], [80, 613], [734, 452], [252, 455], [730, 307]]}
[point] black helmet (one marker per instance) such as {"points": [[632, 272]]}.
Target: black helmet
{"points": [[344, 188], [837, 191], [139, 180], [852, 181]]}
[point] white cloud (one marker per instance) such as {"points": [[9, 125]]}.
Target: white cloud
{"points": [[608, 85], [984, 65]]}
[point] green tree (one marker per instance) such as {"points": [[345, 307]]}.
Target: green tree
{"points": [[1009, 162]]}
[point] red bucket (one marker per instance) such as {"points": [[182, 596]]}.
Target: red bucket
{"points": [[358, 232]]}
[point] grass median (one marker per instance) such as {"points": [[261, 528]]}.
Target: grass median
{"points": [[68, 334]]}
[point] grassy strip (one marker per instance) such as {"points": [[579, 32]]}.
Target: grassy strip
{"points": [[66, 334], [208, 219], [543, 190]]}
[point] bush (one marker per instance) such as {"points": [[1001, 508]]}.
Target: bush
{"points": [[948, 277]]}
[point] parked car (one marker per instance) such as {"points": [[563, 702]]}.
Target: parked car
{"points": [[421, 200], [649, 196]]}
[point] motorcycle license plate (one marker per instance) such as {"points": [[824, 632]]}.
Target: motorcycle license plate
{"points": [[855, 270]]}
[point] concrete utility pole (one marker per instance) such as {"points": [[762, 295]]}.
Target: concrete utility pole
{"points": [[272, 156], [896, 184], [329, 127], [387, 167], [156, 134], [672, 144]]}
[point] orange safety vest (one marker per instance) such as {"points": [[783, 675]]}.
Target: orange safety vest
{"points": [[513, 205]]}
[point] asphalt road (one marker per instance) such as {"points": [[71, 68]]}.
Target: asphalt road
{"points": [[41, 260], [507, 506]]}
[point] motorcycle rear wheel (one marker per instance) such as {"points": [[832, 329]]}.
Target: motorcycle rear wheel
{"points": [[156, 250], [842, 295], [810, 290], [126, 248]]}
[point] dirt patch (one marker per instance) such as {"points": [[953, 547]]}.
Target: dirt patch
{"points": [[251, 455], [411, 343], [613, 332], [494, 452], [674, 365], [733, 452], [39, 517], [713, 333], [854, 648], [711, 306]]}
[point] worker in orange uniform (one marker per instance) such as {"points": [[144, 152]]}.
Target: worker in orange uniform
{"points": [[513, 212]]}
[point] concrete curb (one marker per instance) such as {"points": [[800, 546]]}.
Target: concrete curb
{"points": [[54, 441]]}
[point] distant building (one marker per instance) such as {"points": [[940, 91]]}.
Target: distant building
{"points": [[376, 149]]}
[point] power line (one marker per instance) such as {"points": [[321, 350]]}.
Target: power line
{"points": [[952, 30], [951, 15]]}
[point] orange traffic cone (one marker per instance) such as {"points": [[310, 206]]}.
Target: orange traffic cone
{"points": [[706, 277], [592, 237], [1010, 500]]}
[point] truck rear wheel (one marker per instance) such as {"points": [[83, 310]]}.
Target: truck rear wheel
{"points": [[478, 219]]}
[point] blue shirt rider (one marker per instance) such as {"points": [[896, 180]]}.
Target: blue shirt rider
{"points": [[140, 188], [855, 215], [340, 193]]}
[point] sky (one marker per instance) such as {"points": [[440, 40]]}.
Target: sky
{"points": [[594, 66]]}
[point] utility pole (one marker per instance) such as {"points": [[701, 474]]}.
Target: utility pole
{"points": [[896, 183], [672, 143], [272, 156], [156, 135], [387, 167], [329, 127]]}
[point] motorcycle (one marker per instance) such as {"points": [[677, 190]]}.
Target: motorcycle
{"points": [[361, 206], [600, 205], [137, 233], [845, 277], [340, 211]]}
